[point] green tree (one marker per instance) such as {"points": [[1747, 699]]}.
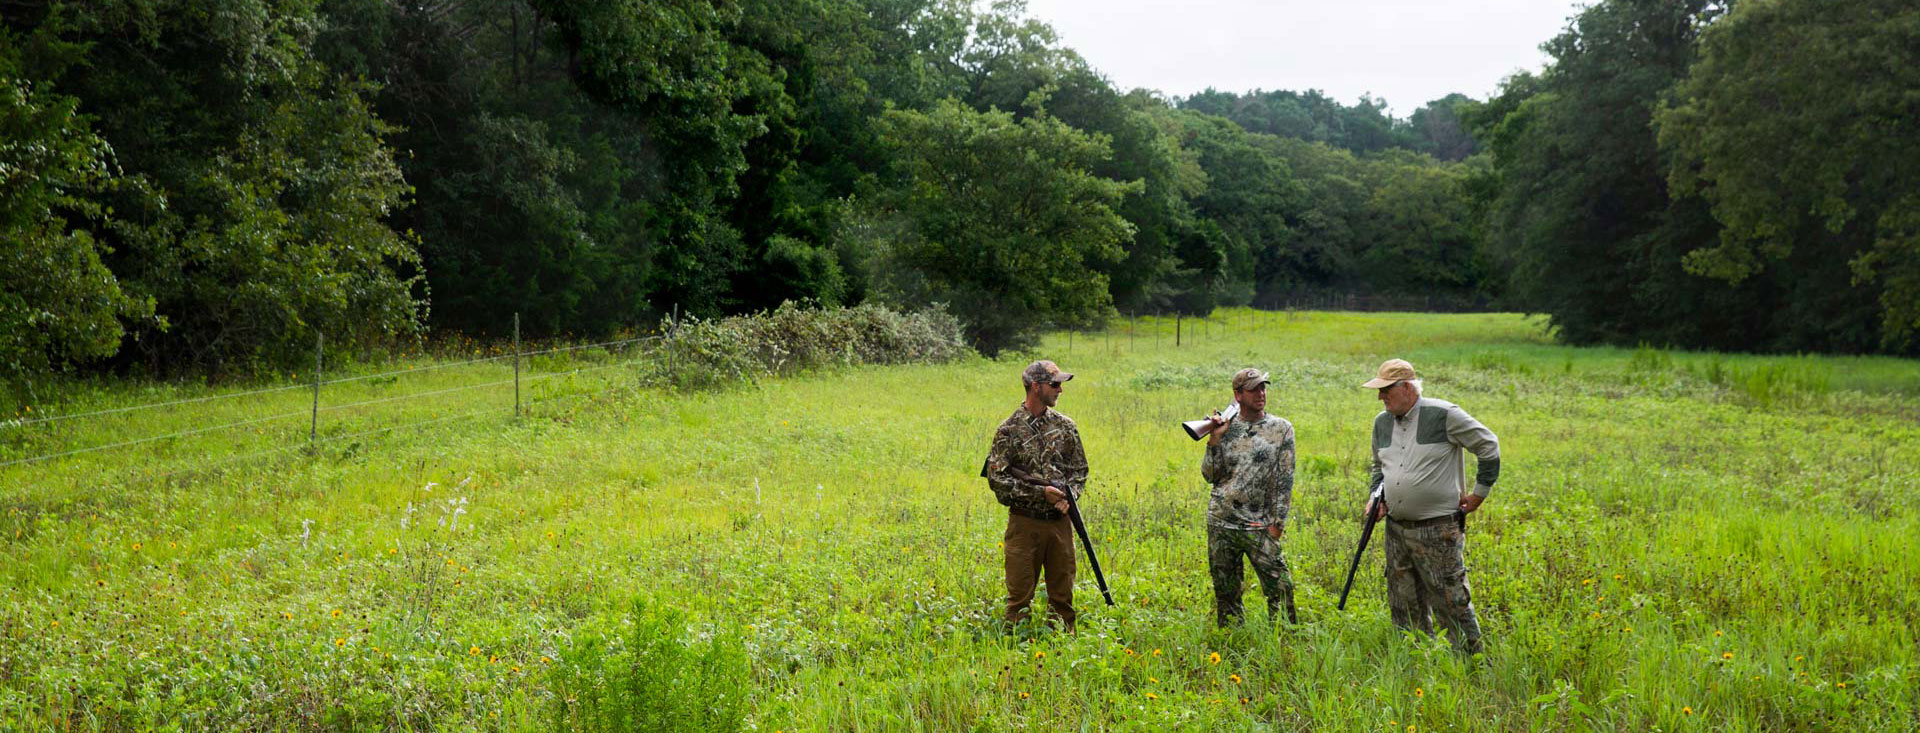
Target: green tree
{"points": [[1000, 218], [58, 302], [1801, 128], [1579, 220], [253, 184]]}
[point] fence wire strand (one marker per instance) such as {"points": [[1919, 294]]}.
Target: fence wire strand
{"points": [[303, 413], [308, 385]]}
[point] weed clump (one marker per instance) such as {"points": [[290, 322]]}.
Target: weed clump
{"points": [[654, 678], [707, 354]]}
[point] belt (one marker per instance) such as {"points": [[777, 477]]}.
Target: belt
{"points": [[1044, 515], [1431, 521]]}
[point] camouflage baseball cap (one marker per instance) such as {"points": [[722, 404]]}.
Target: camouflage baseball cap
{"points": [[1248, 378], [1043, 371], [1392, 372]]}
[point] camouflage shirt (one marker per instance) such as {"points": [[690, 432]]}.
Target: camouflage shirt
{"points": [[1251, 470], [1046, 448]]}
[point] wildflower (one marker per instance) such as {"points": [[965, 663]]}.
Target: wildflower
{"points": [[1214, 657], [1617, 576], [1798, 658], [1128, 651], [1419, 692], [1151, 696], [56, 624], [1588, 581], [546, 660], [1155, 680], [393, 550], [1841, 685], [1024, 696], [136, 547], [1726, 655], [342, 641], [493, 659], [1595, 614], [1628, 629], [288, 615], [1687, 710], [473, 651], [1039, 655], [1234, 678], [336, 613], [1156, 652]]}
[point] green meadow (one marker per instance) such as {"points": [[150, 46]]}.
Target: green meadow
{"points": [[1679, 541]]}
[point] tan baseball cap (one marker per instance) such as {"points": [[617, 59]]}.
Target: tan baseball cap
{"points": [[1246, 379], [1392, 372], [1043, 371]]}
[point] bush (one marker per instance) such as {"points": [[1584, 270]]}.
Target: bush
{"points": [[793, 338], [657, 677]]}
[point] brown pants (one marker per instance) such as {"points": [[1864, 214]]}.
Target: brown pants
{"points": [[1034, 544]]}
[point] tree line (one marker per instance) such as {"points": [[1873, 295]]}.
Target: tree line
{"points": [[208, 187]]}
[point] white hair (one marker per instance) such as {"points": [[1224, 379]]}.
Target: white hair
{"points": [[1416, 386]]}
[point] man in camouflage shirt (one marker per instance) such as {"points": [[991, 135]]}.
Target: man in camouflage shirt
{"points": [[1419, 470], [1249, 461], [1036, 459]]}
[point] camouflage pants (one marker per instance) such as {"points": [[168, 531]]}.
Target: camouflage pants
{"points": [[1225, 547], [1427, 579]]}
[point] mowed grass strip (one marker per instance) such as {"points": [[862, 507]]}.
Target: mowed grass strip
{"points": [[1675, 542]]}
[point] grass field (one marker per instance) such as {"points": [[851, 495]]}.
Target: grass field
{"points": [[1678, 541]]}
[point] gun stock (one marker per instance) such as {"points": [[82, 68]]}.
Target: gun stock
{"points": [[1197, 429]]}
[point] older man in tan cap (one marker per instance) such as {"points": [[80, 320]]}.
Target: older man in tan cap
{"points": [[1035, 461], [1249, 461], [1419, 477]]}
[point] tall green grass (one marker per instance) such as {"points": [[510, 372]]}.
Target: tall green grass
{"points": [[1666, 549]]}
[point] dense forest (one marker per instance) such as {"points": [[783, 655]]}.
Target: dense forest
{"points": [[200, 187]]}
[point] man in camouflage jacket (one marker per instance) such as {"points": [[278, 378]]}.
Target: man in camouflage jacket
{"points": [[1249, 461], [1419, 469], [1036, 459]]}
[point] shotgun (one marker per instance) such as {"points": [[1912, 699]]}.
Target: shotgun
{"points": [[1079, 527], [1366, 533]]}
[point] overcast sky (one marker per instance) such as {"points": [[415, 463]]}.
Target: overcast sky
{"points": [[1406, 51]]}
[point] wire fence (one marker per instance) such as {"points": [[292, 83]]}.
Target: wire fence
{"points": [[17, 429]]}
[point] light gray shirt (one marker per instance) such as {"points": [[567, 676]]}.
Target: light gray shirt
{"points": [[1419, 458]]}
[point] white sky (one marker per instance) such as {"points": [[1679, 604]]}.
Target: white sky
{"points": [[1406, 51]]}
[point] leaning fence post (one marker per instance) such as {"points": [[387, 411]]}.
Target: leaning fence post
{"points": [[1176, 329], [516, 364], [319, 348]]}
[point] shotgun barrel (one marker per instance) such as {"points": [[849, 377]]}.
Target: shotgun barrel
{"points": [[1366, 533]]}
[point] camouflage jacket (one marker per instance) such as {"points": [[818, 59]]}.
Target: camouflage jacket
{"points": [[1251, 470], [1047, 449]]}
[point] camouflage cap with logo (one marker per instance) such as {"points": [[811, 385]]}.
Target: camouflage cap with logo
{"points": [[1245, 379]]}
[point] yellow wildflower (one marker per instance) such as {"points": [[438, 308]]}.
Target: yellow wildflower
{"points": [[1214, 657], [1687, 710], [473, 651]]}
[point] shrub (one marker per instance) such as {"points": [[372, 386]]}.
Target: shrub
{"points": [[793, 338]]}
